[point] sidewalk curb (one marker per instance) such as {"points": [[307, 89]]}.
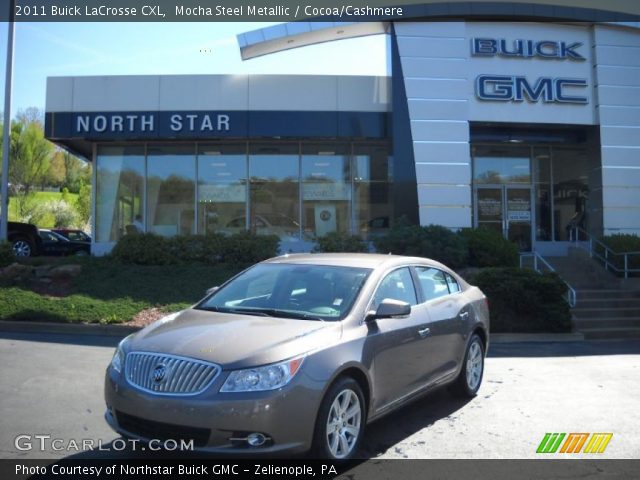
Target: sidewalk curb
{"points": [[66, 328], [535, 337]]}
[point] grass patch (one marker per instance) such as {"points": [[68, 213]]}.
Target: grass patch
{"points": [[108, 292]]}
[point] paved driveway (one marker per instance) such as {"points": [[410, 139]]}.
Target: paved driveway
{"points": [[52, 385]]}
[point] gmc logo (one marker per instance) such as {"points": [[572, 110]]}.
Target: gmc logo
{"points": [[505, 88]]}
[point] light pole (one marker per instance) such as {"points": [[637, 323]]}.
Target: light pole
{"points": [[6, 138]]}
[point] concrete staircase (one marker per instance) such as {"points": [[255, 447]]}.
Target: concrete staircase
{"points": [[607, 307]]}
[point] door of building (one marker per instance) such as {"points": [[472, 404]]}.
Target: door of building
{"points": [[506, 209]]}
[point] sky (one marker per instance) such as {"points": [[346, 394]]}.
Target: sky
{"points": [[42, 50]]}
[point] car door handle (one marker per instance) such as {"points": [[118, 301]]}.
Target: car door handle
{"points": [[425, 332], [464, 315]]}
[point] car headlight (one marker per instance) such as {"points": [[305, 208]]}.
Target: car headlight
{"points": [[118, 356], [269, 377]]}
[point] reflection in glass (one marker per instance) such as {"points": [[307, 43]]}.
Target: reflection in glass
{"points": [[171, 189], [372, 178], [120, 192], [542, 180], [326, 189], [222, 188], [496, 165], [274, 191], [570, 190]]}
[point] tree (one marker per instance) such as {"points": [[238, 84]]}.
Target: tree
{"points": [[77, 172], [57, 172], [83, 203], [30, 152]]}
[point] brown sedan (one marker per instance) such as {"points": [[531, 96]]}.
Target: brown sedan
{"points": [[299, 353]]}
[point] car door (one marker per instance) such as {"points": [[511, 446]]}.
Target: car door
{"points": [[396, 345], [51, 244], [445, 303]]}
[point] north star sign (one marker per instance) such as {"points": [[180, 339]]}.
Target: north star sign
{"points": [[148, 123], [517, 88]]}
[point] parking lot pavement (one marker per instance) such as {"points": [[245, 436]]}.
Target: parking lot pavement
{"points": [[52, 385]]}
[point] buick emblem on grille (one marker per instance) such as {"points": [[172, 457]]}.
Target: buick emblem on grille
{"points": [[159, 373]]}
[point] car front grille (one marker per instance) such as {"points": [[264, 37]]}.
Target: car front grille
{"points": [[169, 374], [162, 431]]}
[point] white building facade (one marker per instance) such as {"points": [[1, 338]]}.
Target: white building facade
{"points": [[529, 128]]}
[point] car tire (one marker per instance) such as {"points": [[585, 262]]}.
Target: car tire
{"points": [[340, 422], [469, 379], [22, 247]]}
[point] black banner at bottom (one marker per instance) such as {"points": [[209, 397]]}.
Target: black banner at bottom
{"points": [[372, 469]]}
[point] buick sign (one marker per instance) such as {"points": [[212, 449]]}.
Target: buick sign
{"points": [[489, 47]]}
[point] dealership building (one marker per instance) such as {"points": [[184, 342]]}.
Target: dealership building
{"points": [[524, 119]]}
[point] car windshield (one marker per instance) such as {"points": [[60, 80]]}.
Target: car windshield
{"points": [[309, 292]]}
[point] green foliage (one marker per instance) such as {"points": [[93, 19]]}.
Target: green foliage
{"points": [[340, 242], [83, 203], [30, 152], [524, 301], [110, 292], [621, 243], [152, 249], [488, 248], [7, 256], [143, 249], [246, 247], [433, 241]]}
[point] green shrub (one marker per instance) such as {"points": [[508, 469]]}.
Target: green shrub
{"points": [[434, 241], [524, 300], [246, 247], [143, 249], [488, 248], [152, 249], [207, 249], [7, 257], [340, 242], [621, 243]]}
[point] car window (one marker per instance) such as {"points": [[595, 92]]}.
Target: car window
{"points": [[398, 285], [433, 282], [452, 283], [48, 236]]}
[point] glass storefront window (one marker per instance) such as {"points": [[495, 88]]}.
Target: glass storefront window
{"points": [[274, 172], [222, 188], [326, 189], [372, 179], [570, 191], [542, 184], [171, 189], [120, 192], [497, 165]]}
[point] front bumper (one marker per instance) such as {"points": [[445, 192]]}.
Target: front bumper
{"points": [[215, 421]]}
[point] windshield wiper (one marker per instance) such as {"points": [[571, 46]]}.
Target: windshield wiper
{"points": [[265, 312]]}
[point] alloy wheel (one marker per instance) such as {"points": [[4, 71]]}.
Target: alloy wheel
{"points": [[21, 248], [343, 423], [474, 365]]}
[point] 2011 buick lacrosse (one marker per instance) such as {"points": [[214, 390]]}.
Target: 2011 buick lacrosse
{"points": [[299, 353]]}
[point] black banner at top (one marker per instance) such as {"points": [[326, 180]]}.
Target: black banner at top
{"points": [[309, 10]]}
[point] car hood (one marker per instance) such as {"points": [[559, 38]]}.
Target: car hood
{"points": [[232, 340]]}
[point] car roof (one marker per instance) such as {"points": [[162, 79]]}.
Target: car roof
{"points": [[356, 260]]}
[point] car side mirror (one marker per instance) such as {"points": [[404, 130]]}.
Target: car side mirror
{"points": [[212, 290], [390, 308]]}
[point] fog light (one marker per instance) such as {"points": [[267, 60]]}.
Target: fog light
{"points": [[256, 439]]}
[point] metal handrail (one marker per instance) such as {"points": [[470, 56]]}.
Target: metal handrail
{"points": [[574, 236], [571, 292]]}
